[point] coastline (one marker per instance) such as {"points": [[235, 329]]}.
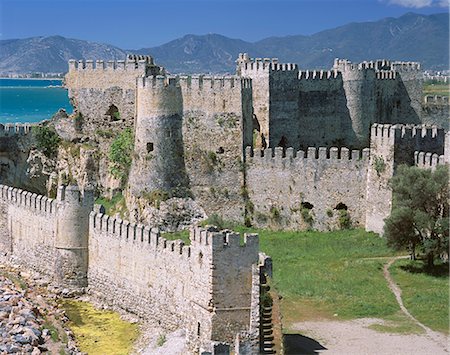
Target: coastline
{"points": [[1, 77]]}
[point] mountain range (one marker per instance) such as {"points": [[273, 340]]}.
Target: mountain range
{"points": [[411, 37]]}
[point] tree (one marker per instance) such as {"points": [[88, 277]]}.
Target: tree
{"points": [[420, 213]]}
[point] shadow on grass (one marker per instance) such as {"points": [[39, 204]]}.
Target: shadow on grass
{"points": [[296, 344], [439, 270]]}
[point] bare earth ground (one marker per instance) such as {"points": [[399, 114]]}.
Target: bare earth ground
{"points": [[354, 337]]}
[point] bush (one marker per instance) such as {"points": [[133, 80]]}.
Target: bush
{"points": [[47, 140], [120, 155], [345, 221]]}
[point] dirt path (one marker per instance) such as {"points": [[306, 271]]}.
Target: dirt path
{"points": [[355, 337], [439, 338]]}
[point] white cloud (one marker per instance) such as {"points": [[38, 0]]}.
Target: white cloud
{"points": [[419, 3]]}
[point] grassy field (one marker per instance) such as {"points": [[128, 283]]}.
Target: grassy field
{"points": [[425, 295], [440, 89], [99, 332], [336, 274]]}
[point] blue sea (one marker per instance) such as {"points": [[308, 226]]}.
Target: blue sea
{"points": [[31, 100]]}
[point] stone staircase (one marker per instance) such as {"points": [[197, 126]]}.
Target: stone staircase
{"points": [[266, 325]]}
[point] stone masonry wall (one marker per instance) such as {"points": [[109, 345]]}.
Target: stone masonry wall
{"points": [[94, 88], [192, 286], [324, 118], [28, 228], [307, 190], [217, 124], [390, 146], [435, 111]]}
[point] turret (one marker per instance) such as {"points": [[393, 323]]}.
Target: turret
{"points": [[158, 162], [72, 234]]}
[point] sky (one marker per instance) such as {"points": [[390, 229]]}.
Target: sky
{"points": [[134, 24]]}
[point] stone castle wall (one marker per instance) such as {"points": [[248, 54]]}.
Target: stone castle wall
{"points": [[435, 111], [217, 123], [209, 288], [203, 124], [390, 146], [324, 117], [28, 224], [285, 190], [99, 89]]}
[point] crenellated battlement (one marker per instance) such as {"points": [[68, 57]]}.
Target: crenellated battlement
{"points": [[19, 129], [132, 62], [406, 131], [128, 232], [427, 160], [153, 239], [31, 201], [406, 66], [381, 65], [269, 66], [435, 100], [201, 82], [217, 240], [263, 64], [272, 155], [319, 74], [386, 75], [158, 81]]}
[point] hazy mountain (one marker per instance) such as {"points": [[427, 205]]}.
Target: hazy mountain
{"points": [[50, 54], [411, 37]]}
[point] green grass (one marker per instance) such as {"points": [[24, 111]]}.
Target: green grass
{"points": [[183, 235], [424, 294], [329, 274], [440, 89], [99, 332], [397, 323], [115, 205]]}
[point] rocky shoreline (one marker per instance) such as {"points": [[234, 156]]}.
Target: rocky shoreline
{"points": [[30, 320]]}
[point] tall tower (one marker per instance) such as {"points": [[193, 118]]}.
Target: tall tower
{"points": [[359, 83], [158, 163], [72, 234]]}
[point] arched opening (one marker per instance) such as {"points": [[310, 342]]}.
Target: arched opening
{"points": [[307, 205], [220, 150], [113, 113], [341, 207]]}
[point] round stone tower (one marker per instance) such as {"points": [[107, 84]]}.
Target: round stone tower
{"points": [[72, 235], [360, 91], [158, 162]]}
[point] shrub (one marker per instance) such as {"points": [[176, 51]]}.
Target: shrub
{"points": [[379, 165], [120, 155], [345, 221], [47, 140]]}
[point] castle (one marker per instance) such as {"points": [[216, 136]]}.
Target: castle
{"points": [[270, 146]]}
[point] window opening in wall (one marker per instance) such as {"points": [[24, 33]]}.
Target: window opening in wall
{"points": [[198, 328], [149, 147], [341, 206], [113, 113], [307, 205], [220, 150]]}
